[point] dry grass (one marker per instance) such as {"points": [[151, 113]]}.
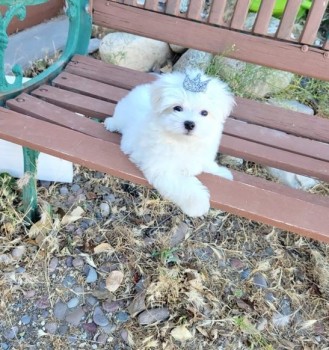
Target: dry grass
{"points": [[205, 279]]}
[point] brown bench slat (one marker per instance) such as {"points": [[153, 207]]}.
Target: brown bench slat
{"points": [[265, 50], [42, 110], [107, 73], [250, 132], [151, 5], [240, 13], [216, 15], [72, 101], [233, 145], [275, 207], [263, 17], [288, 19], [195, 9], [251, 111], [313, 22], [89, 87]]}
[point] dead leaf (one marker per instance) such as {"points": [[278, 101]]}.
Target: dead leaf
{"points": [[104, 248], [75, 215], [138, 304], [202, 331], [113, 281], [181, 334], [41, 227]]}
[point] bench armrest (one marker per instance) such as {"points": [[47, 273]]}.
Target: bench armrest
{"points": [[80, 24]]}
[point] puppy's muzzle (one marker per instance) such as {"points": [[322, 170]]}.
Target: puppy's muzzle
{"points": [[189, 125]]}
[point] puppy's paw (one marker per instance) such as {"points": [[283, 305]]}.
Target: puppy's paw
{"points": [[110, 124], [197, 205]]}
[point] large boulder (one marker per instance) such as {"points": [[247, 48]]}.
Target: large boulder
{"points": [[252, 80], [133, 51], [193, 59]]}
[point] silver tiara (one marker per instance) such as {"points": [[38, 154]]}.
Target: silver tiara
{"points": [[195, 85]]}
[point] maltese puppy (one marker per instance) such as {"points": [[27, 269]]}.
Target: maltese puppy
{"points": [[171, 130]]}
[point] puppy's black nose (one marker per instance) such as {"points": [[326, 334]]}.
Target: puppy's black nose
{"points": [[189, 125]]}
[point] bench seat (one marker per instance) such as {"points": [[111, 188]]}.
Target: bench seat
{"points": [[46, 119]]}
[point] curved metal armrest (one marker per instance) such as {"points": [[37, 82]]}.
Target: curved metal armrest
{"points": [[80, 24]]}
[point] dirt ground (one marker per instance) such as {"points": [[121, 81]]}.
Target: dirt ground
{"points": [[114, 266]]}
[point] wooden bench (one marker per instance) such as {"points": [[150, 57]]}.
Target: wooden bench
{"points": [[41, 115]]}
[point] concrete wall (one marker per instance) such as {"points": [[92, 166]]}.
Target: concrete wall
{"points": [[35, 15]]}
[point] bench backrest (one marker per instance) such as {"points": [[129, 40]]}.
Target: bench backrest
{"points": [[213, 28]]}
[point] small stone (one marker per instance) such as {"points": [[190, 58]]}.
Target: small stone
{"points": [[91, 275], [260, 281], [245, 273], [105, 209], [11, 333], [102, 338], [26, 319], [237, 264], [78, 263], [64, 191], [270, 297], [73, 303], [122, 317], [43, 303], [51, 327], [63, 329], [69, 261], [110, 328], [90, 327], [138, 304], [284, 307], [75, 316], [75, 188], [69, 281], [18, 252], [60, 310], [91, 301], [29, 294], [53, 264], [99, 317], [4, 346], [111, 306], [20, 269], [179, 234], [148, 317]]}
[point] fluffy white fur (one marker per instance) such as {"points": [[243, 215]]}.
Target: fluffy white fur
{"points": [[156, 139]]}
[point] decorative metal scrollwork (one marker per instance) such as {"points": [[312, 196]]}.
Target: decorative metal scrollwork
{"points": [[16, 8]]}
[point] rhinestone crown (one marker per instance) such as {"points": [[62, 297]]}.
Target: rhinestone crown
{"points": [[195, 85]]}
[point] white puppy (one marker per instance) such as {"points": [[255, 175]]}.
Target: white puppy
{"points": [[171, 130]]}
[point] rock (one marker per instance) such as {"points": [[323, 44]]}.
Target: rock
{"points": [[43, 303], [73, 303], [60, 310], [91, 300], [90, 327], [132, 51], [75, 316], [245, 273], [179, 235], [18, 252], [99, 317], [181, 334], [193, 59], [69, 281], [75, 188], [237, 264], [253, 80], [111, 306], [177, 48], [138, 304], [151, 316], [51, 327], [105, 210], [291, 179], [292, 105], [64, 191], [26, 319], [91, 275], [53, 263], [229, 160], [78, 263], [110, 328], [102, 338], [260, 281], [11, 333], [121, 317]]}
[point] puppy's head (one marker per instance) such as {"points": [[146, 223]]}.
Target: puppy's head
{"points": [[190, 104]]}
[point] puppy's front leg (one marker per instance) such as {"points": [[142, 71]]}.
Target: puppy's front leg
{"points": [[185, 191], [215, 169]]}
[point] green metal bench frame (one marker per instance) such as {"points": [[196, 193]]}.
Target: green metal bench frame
{"points": [[80, 25]]}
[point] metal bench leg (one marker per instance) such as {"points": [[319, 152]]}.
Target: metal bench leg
{"points": [[30, 202]]}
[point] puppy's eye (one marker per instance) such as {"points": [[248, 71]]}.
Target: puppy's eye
{"points": [[204, 113], [178, 109]]}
